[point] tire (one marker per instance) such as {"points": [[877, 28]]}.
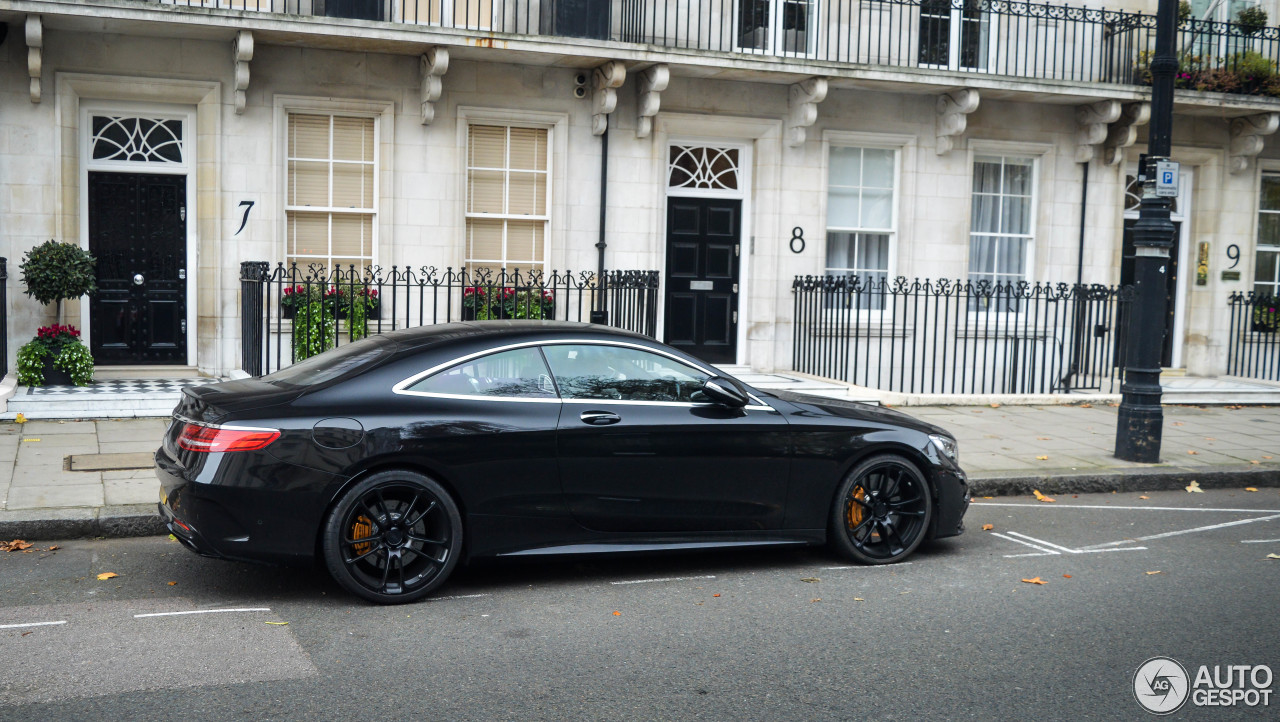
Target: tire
{"points": [[393, 538], [882, 511]]}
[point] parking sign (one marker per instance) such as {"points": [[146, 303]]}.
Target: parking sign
{"points": [[1166, 179]]}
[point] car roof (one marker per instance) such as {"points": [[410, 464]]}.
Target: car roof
{"points": [[421, 337]]}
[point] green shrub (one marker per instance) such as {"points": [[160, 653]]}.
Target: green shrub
{"points": [[1251, 20], [54, 271]]}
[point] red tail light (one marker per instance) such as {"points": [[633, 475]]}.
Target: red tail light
{"points": [[202, 437]]}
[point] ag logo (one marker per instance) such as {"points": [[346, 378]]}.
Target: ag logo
{"points": [[1161, 685]]}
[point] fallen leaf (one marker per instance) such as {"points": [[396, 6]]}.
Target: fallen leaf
{"points": [[107, 575], [715, 595], [1273, 556], [16, 545], [1155, 572], [25, 633], [1250, 488], [1144, 497], [1209, 438], [1044, 438], [988, 527], [1042, 497], [810, 580], [173, 584], [173, 538], [1265, 456], [1254, 461], [1035, 580], [1066, 576], [617, 614], [1043, 458], [988, 497], [859, 599], [811, 601], [1177, 423], [53, 548], [276, 624], [20, 419], [1086, 406], [995, 406], [29, 440], [1194, 488]]}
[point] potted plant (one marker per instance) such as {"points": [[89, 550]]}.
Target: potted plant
{"points": [[531, 303], [291, 297], [1266, 315], [1251, 20], [52, 272], [475, 304], [55, 357]]}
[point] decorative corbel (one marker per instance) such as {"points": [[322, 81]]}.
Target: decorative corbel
{"points": [[606, 80], [1247, 137], [1124, 131], [652, 82], [35, 41], [1093, 120], [435, 63], [242, 51], [953, 109], [802, 108]]}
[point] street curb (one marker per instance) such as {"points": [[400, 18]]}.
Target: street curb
{"points": [[77, 523], [1138, 479]]}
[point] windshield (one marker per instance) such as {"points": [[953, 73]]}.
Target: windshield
{"points": [[332, 364]]}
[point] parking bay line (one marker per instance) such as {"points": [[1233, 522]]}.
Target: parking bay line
{"points": [[202, 611], [1122, 508], [1210, 527], [663, 579], [32, 624], [870, 566], [1259, 541]]}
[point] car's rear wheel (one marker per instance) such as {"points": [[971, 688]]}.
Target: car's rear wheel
{"points": [[882, 511], [393, 537]]}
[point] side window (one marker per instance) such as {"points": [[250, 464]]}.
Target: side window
{"points": [[623, 374], [518, 373]]}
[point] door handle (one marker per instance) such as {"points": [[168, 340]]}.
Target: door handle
{"points": [[138, 280], [599, 418]]}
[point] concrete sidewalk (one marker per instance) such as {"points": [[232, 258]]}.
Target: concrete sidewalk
{"points": [[1005, 449]]}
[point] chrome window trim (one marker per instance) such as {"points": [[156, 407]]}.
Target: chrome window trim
{"points": [[401, 388], [207, 425]]}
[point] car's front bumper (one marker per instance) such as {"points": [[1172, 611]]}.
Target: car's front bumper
{"points": [[952, 487]]}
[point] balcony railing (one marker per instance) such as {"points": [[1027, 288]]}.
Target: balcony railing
{"points": [[1253, 338], [995, 37]]}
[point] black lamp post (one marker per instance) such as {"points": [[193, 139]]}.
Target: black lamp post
{"points": [[1141, 420]]}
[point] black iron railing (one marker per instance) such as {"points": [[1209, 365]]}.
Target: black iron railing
{"points": [[953, 337], [1000, 37], [289, 313], [1253, 340]]}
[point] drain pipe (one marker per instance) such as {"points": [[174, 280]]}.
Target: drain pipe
{"points": [[1080, 310], [600, 313]]}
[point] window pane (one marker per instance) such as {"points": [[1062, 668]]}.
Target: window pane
{"points": [[485, 191], [308, 183], [308, 136], [877, 208], [986, 175], [488, 146], [353, 138], [842, 208], [1270, 193], [623, 374], [352, 235], [308, 235], [1265, 269], [982, 255], [877, 168], [873, 252], [524, 244], [527, 194], [986, 211], [1012, 256], [484, 240], [519, 373], [352, 185], [1017, 176], [840, 252], [846, 166], [1017, 215], [529, 148]]}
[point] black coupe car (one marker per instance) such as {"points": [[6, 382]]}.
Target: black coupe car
{"points": [[395, 457]]}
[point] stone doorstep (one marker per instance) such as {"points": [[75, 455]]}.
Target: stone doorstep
{"points": [[110, 462]]}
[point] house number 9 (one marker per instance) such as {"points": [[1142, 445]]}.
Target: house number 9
{"points": [[1233, 253]]}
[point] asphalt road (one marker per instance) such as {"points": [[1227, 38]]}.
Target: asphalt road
{"points": [[784, 634]]}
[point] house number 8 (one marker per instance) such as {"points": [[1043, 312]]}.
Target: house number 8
{"points": [[797, 234]]}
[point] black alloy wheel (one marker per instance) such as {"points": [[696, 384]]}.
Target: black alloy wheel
{"points": [[393, 537], [882, 511]]}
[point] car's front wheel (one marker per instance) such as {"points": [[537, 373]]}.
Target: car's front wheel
{"points": [[882, 511], [393, 537]]}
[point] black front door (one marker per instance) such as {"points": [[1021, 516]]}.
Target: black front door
{"points": [[138, 233], [702, 277], [1171, 283]]}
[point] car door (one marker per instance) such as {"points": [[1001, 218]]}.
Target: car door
{"points": [[641, 450]]}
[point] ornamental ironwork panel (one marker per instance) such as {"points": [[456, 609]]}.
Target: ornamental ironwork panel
{"points": [[137, 140]]}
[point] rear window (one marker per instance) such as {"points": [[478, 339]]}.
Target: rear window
{"points": [[333, 364]]}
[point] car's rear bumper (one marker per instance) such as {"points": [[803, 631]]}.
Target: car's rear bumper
{"points": [[952, 487]]}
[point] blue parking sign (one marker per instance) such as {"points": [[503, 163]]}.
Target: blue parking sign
{"points": [[1166, 179]]}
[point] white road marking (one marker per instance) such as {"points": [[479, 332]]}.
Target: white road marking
{"points": [[664, 579], [1259, 541], [871, 566], [1042, 551], [1104, 506], [1043, 542], [456, 596], [1211, 527], [31, 624], [202, 611]]}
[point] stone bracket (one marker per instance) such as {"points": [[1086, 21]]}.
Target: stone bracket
{"points": [[652, 82], [802, 108], [1093, 120], [35, 42], [1123, 132], [435, 63], [953, 109], [242, 52], [605, 81], [1247, 135]]}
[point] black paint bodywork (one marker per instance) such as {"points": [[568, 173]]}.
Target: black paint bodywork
{"points": [[531, 478]]}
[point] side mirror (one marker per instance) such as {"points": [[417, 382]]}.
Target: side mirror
{"points": [[724, 393]]}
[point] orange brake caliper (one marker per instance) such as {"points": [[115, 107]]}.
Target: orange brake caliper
{"points": [[362, 529], [855, 509]]}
